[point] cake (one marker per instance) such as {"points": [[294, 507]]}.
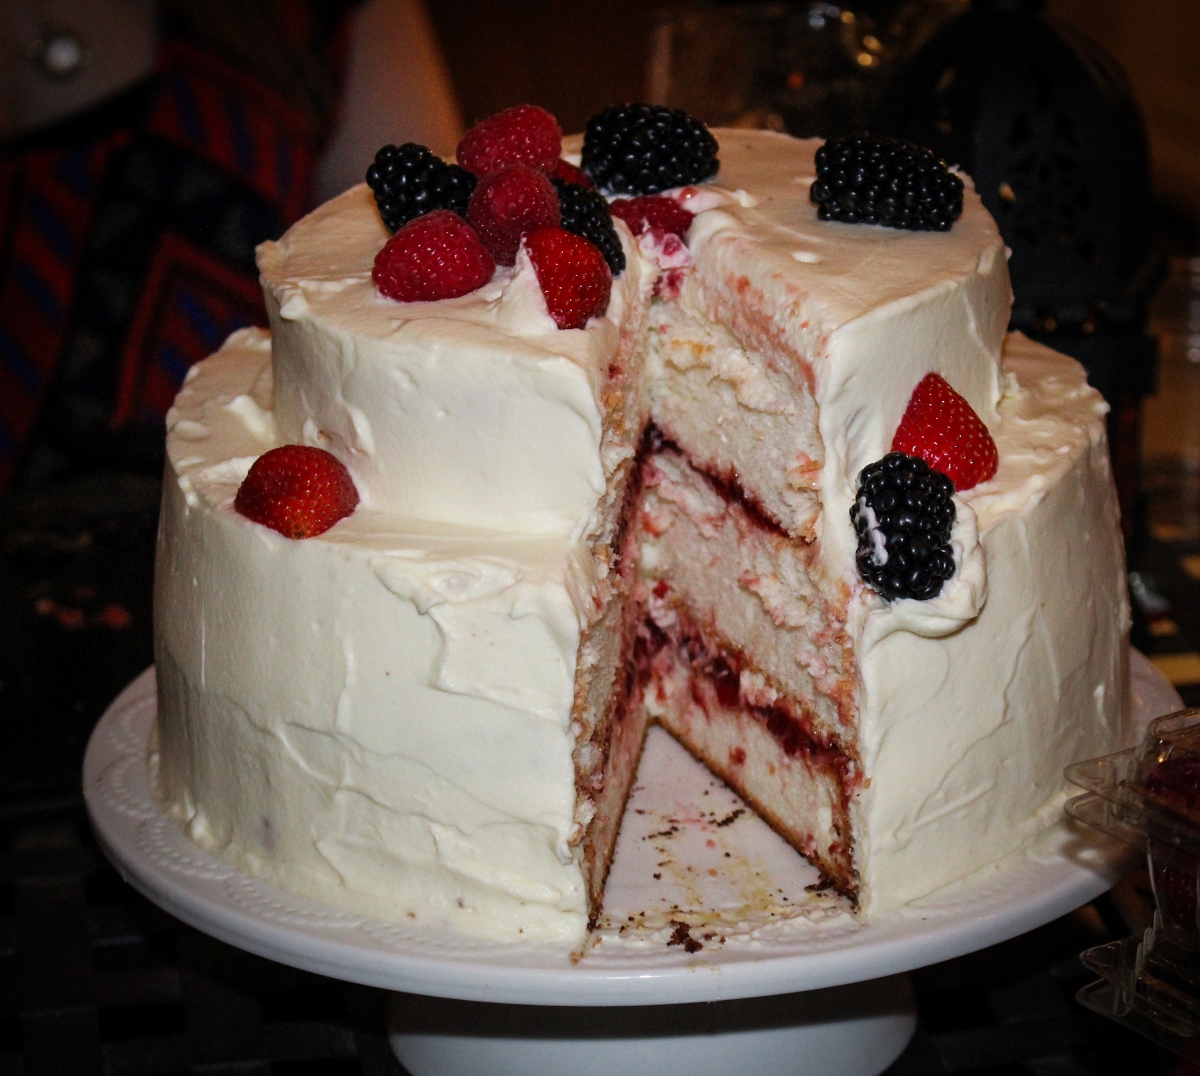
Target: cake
{"points": [[433, 711]]}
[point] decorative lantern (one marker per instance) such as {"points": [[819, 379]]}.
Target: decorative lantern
{"points": [[1045, 122]]}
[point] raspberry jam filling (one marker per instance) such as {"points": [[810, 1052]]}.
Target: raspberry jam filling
{"points": [[726, 486], [721, 667]]}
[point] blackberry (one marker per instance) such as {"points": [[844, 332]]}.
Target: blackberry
{"points": [[868, 180], [644, 149], [409, 182], [586, 213], [903, 517]]}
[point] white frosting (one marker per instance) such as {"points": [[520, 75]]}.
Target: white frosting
{"points": [[972, 704], [379, 716], [476, 411]]}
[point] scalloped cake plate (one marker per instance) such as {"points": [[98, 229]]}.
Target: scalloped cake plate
{"points": [[705, 902]]}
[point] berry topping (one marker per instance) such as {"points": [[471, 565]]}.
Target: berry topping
{"points": [[437, 256], [585, 212], [568, 173], [870, 180], [903, 517], [943, 429], [644, 149], [297, 490], [409, 181], [525, 134], [507, 204], [653, 211], [572, 273]]}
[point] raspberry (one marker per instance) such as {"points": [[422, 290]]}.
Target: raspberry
{"points": [[568, 173], [871, 180], [653, 211], [943, 429], [572, 273], [644, 149], [525, 134], [507, 204], [585, 212], [297, 490], [437, 256], [1174, 783], [903, 516], [409, 181]]}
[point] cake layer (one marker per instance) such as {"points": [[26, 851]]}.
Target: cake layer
{"points": [[744, 418], [760, 748], [475, 411], [381, 717], [708, 554], [962, 711]]}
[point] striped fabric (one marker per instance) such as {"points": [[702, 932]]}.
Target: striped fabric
{"points": [[127, 250]]}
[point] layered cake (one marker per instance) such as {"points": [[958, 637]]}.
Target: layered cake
{"points": [[432, 710]]}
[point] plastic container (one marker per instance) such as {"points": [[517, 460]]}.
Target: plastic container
{"points": [[1149, 796]]}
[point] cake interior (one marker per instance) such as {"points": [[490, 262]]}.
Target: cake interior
{"points": [[678, 663]]}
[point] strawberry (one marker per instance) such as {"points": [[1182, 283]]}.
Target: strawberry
{"points": [[568, 173], [297, 490], [437, 256], [573, 275], [941, 428], [525, 134], [653, 211], [508, 203]]}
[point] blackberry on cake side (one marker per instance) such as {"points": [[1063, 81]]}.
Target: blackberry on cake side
{"points": [[528, 579]]}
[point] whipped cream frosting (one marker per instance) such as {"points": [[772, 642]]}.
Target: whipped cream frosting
{"points": [[378, 716], [973, 703]]}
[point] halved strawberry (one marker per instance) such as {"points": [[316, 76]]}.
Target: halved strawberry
{"points": [[943, 429]]}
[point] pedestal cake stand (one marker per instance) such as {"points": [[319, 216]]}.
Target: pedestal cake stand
{"points": [[718, 953]]}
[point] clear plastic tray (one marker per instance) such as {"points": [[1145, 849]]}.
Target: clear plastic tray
{"points": [[1149, 796]]}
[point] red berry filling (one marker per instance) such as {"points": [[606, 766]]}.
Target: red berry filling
{"points": [[653, 212]]}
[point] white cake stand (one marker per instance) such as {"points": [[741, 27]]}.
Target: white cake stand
{"points": [[713, 957]]}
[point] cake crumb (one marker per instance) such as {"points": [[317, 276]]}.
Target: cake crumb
{"points": [[681, 935]]}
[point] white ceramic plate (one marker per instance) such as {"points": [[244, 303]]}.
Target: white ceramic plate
{"points": [[692, 865]]}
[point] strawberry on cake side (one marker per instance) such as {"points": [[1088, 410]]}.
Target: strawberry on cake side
{"points": [[730, 456]]}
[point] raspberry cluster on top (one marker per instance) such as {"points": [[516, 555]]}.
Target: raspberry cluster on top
{"points": [[454, 223]]}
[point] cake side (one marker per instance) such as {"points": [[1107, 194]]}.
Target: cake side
{"points": [[965, 730], [290, 673]]}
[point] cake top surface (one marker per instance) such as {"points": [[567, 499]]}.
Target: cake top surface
{"points": [[844, 271], [321, 270]]}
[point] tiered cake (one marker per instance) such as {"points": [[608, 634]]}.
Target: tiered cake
{"points": [[434, 710]]}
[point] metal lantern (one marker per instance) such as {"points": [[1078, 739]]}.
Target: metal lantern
{"points": [[1045, 122]]}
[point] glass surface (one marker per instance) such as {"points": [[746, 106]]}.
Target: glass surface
{"points": [[811, 69]]}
